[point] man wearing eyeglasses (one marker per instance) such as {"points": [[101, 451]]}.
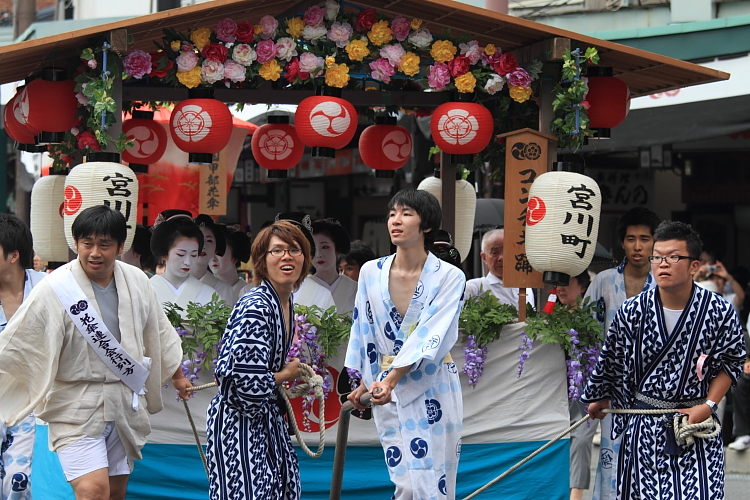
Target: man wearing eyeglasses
{"points": [[677, 347]]}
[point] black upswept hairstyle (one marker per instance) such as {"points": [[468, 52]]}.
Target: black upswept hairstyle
{"points": [[142, 241], [15, 236], [359, 252], [100, 220], [207, 221], [426, 206], [676, 230], [177, 225], [637, 216], [237, 242]]}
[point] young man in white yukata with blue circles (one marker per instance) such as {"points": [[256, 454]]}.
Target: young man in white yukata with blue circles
{"points": [[405, 323]]}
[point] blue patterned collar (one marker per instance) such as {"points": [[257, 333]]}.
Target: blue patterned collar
{"points": [[649, 278], [621, 267]]}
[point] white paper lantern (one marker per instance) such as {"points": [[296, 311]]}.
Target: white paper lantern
{"points": [[466, 202], [46, 221], [101, 183], [562, 224]]}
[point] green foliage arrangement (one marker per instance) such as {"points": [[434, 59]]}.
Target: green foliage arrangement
{"points": [[483, 316], [332, 328]]}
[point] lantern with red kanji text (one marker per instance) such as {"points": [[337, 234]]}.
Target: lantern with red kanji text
{"points": [[461, 128], [100, 183], [201, 125], [49, 106], [276, 146], [46, 218], [325, 122], [150, 141], [385, 147], [562, 225], [609, 101]]}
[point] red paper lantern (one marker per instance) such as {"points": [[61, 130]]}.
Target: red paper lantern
{"points": [[15, 130], [385, 147], [461, 128], [325, 122], [609, 98], [49, 105], [277, 147], [150, 141], [201, 125]]}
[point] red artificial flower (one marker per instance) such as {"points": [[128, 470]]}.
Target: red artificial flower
{"points": [[291, 70], [585, 104], [66, 158], [87, 140], [507, 64], [366, 19], [459, 66], [422, 112], [245, 32], [156, 59], [215, 52]]}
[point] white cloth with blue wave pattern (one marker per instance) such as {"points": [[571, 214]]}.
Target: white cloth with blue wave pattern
{"points": [[421, 431]]}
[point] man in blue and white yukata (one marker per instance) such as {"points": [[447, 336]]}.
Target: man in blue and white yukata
{"points": [[609, 290], [405, 322], [677, 347], [16, 281]]}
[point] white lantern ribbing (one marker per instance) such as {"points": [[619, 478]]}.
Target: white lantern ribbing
{"points": [[46, 221], [562, 224], [466, 203], [101, 183]]}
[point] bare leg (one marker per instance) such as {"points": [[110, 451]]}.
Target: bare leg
{"points": [[99, 485]]}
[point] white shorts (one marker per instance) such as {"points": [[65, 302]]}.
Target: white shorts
{"points": [[89, 454]]}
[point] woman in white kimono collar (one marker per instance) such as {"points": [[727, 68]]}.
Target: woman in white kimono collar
{"points": [[225, 266], [332, 240], [405, 323]]}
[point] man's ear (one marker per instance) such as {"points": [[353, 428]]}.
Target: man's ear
{"points": [[14, 256], [121, 248]]}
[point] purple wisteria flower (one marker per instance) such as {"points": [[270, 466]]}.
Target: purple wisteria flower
{"points": [[475, 357]]}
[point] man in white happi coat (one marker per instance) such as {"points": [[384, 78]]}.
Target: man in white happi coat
{"points": [[492, 257], [89, 350], [16, 282]]}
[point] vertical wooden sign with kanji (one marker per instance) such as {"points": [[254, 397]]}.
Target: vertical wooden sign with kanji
{"points": [[212, 198], [528, 154]]}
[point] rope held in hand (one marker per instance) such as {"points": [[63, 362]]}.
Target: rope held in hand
{"points": [[685, 435], [311, 379]]}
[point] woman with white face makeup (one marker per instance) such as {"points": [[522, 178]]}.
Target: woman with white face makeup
{"points": [[214, 245], [224, 267]]}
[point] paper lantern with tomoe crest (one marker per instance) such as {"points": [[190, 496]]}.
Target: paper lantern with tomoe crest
{"points": [[46, 221], [325, 122], [51, 105], [201, 125], [150, 141], [100, 183], [276, 146], [385, 147], [562, 224]]}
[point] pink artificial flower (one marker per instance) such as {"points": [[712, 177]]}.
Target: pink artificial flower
{"points": [[212, 71], [234, 71], [226, 30], [186, 61], [314, 16], [310, 63], [586, 105], [244, 54], [393, 53], [472, 50], [439, 76], [382, 70], [137, 64], [91, 63], [400, 28], [269, 25], [186, 46], [82, 100], [286, 48], [265, 51], [519, 78], [340, 33]]}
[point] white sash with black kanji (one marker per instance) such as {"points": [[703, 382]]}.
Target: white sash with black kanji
{"points": [[96, 333]]}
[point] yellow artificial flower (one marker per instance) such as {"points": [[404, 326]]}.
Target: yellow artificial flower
{"points": [[270, 70], [337, 76], [416, 24], [409, 64], [519, 94], [190, 79], [257, 29], [200, 37], [357, 49], [380, 33], [406, 111], [490, 49], [466, 83], [295, 27], [330, 61], [175, 45], [443, 51]]}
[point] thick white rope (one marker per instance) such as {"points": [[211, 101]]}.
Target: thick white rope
{"points": [[685, 435]]}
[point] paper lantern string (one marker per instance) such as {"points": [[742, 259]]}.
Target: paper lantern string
{"points": [[105, 76], [549, 307]]}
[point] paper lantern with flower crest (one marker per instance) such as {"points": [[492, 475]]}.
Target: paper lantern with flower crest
{"points": [[325, 122], [461, 128], [49, 105], [385, 147], [562, 225], [150, 141], [276, 146], [46, 218], [201, 125], [466, 204], [100, 183]]}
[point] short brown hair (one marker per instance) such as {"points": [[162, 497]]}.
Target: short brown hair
{"points": [[289, 234]]}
